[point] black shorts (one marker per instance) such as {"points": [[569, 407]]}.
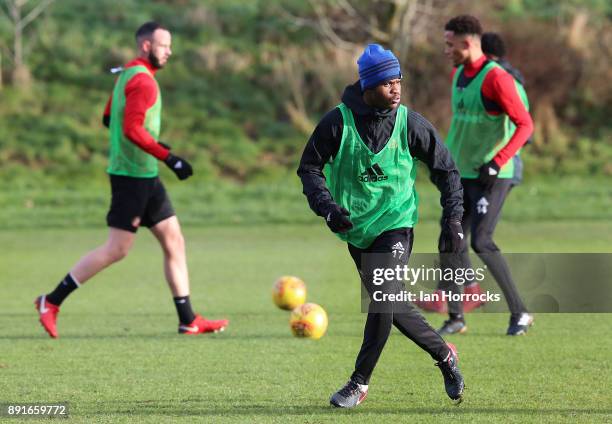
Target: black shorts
{"points": [[136, 202]]}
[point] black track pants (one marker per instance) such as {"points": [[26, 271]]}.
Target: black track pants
{"points": [[482, 212], [391, 248]]}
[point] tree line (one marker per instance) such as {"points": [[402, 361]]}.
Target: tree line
{"points": [[248, 80]]}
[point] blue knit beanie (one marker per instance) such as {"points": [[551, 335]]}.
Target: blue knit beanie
{"points": [[377, 65]]}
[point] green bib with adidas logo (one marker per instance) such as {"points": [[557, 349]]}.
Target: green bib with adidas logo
{"points": [[377, 188]]}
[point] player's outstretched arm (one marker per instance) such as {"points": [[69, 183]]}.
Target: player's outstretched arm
{"points": [[140, 94]]}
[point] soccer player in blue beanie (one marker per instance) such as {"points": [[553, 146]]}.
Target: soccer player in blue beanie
{"points": [[370, 144]]}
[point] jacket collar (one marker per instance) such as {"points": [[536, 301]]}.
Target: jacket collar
{"points": [[141, 61]]}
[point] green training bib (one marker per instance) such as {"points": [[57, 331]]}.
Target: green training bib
{"points": [[475, 137], [377, 188], [125, 157]]}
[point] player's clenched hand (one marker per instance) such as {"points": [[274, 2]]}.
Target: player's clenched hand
{"points": [[451, 237], [487, 174], [179, 166], [337, 219]]}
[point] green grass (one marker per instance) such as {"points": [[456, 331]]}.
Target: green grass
{"points": [[73, 204], [119, 359]]}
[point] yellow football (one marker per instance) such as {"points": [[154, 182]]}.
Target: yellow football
{"points": [[289, 292], [309, 321]]}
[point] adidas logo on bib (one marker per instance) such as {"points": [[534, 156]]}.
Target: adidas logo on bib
{"points": [[372, 174]]}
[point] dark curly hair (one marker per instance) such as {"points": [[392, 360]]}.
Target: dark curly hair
{"points": [[464, 25], [492, 44]]}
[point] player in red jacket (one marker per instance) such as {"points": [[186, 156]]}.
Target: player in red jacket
{"points": [[133, 115], [490, 124]]}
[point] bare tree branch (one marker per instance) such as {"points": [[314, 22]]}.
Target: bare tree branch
{"points": [[297, 20], [13, 12], [326, 27], [40, 7], [349, 9]]}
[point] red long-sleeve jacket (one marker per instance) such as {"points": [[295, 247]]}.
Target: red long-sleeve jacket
{"points": [[500, 96], [140, 94]]}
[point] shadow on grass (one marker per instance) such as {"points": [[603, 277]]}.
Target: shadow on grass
{"points": [[174, 409], [151, 336], [33, 313]]}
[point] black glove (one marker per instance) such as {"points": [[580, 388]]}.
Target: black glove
{"points": [[161, 143], [488, 174], [451, 237], [179, 166], [336, 218]]}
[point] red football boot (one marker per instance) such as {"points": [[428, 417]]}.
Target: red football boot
{"points": [[470, 305], [201, 325], [47, 315], [438, 306]]}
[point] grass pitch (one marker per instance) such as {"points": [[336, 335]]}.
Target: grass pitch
{"points": [[119, 358]]}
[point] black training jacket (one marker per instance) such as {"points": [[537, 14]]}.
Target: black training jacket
{"points": [[375, 127], [511, 70]]}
